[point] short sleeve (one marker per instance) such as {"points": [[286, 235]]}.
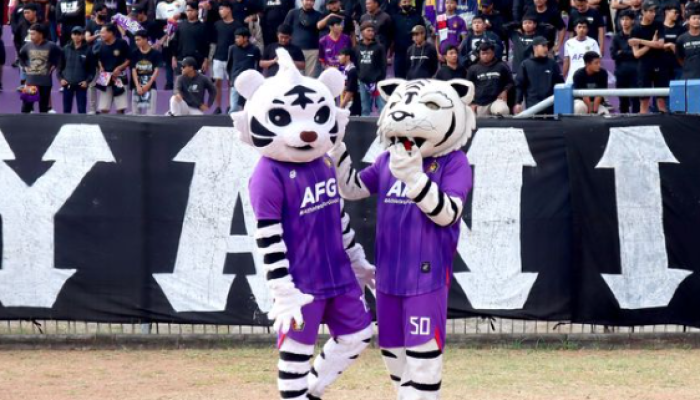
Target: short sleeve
{"points": [[266, 191], [457, 177], [370, 175]]}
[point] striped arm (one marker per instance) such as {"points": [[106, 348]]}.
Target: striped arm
{"points": [[442, 209], [349, 183], [353, 249], [268, 239]]}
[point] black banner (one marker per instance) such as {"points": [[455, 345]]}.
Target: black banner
{"points": [[120, 219]]}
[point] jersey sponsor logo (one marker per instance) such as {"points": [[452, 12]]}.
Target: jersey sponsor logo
{"points": [[397, 194], [312, 196]]}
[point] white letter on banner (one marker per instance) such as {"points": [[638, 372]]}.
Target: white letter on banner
{"points": [[492, 249], [646, 281], [223, 166], [28, 277]]}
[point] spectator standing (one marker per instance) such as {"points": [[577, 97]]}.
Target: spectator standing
{"points": [[76, 71], [333, 10], [647, 45], [38, 59], [19, 27], [113, 60], [521, 36], [468, 50], [576, 47], [242, 56], [145, 66], [422, 56], [451, 69], [626, 65], [269, 56], [273, 14], [371, 58], [672, 30], [93, 38], [381, 21], [190, 40], [169, 11], [454, 30], [537, 76], [403, 22], [305, 34], [493, 19], [28, 19], [190, 90], [596, 24], [592, 76], [225, 38], [350, 98], [69, 14], [154, 29], [329, 46], [549, 20], [492, 81], [688, 47]]}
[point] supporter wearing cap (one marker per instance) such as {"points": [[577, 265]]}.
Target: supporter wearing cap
{"points": [[576, 47], [330, 45], [422, 56], [242, 56], [371, 68], [190, 90], [69, 13], [403, 22], [268, 61], [596, 24], [626, 65], [76, 70], [492, 80], [537, 76], [647, 45], [305, 34], [688, 46]]}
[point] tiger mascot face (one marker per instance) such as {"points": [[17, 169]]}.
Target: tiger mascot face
{"points": [[290, 117], [433, 115]]}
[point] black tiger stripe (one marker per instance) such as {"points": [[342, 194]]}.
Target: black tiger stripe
{"points": [[440, 206], [335, 128], [268, 241], [314, 372], [347, 230], [367, 340], [424, 387], [323, 354], [423, 192], [290, 394], [284, 375], [274, 257], [449, 131], [395, 378], [352, 171], [312, 397], [264, 223], [424, 355], [277, 273], [357, 180], [294, 357], [258, 129], [351, 245], [388, 354], [260, 142], [454, 207], [333, 138], [343, 157], [355, 357]]}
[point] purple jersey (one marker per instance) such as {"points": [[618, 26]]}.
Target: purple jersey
{"points": [[329, 49], [305, 198], [413, 254], [456, 28]]}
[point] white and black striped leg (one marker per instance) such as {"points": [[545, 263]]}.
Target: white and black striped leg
{"points": [[423, 373], [268, 238], [337, 355], [441, 208], [395, 361], [293, 369]]}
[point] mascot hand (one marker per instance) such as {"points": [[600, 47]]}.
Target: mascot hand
{"points": [[364, 272], [287, 308], [342, 118], [404, 165]]}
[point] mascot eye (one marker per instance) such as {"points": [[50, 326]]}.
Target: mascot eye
{"points": [[322, 115], [432, 105], [279, 117]]}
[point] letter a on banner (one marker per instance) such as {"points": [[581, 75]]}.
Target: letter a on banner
{"points": [[646, 281], [28, 277], [222, 168], [492, 249]]}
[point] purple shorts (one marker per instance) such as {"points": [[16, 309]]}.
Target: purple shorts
{"points": [[344, 314], [409, 321]]}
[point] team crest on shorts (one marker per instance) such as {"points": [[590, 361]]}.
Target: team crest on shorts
{"points": [[434, 166], [298, 327]]}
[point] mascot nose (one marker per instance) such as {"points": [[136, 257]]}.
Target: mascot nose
{"points": [[309, 136], [399, 116]]}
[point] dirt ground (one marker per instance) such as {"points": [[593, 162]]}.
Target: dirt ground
{"points": [[250, 374]]}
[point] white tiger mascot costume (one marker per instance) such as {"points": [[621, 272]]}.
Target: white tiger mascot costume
{"points": [[421, 182], [312, 261]]}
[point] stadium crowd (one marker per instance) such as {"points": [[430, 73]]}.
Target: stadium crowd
{"points": [[514, 51]]}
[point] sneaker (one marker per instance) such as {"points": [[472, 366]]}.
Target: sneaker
{"points": [[52, 111], [91, 113], [217, 111], [61, 89], [169, 114]]}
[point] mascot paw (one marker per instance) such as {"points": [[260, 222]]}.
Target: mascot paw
{"points": [[287, 310], [365, 273], [404, 165]]}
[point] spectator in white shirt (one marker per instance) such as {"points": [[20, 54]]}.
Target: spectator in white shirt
{"points": [[575, 48]]}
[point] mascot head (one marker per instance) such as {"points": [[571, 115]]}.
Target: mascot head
{"points": [[290, 117], [433, 115]]}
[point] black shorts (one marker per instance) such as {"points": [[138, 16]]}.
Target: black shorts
{"points": [[653, 76]]}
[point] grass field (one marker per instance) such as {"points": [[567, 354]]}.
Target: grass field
{"points": [[249, 374]]}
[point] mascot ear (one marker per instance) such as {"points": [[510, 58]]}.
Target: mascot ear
{"points": [[334, 81], [248, 82], [387, 87], [464, 88], [240, 125]]}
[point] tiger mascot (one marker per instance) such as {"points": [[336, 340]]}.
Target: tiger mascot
{"points": [[312, 261], [422, 182]]}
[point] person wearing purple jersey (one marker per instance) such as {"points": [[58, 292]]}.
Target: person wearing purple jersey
{"points": [[421, 184], [329, 46], [315, 270], [454, 31]]}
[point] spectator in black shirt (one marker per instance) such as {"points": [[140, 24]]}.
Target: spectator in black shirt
{"points": [[273, 15], [422, 56], [69, 13], [492, 81], [537, 77], [305, 34], [28, 18], [242, 56], [403, 23], [145, 66], [626, 65], [190, 40], [333, 9], [113, 60], [268, 61], [154, 29], [100, 17], [522, 35], [468, 50], [382, 23], [225, 37], [350, 98], [493, 19], [451, 69], [647, 45], [76, 71], [549, 19], [672, 30], [371, 68], [592, 76], [688, 47], [38, 59], [596, 24]]}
